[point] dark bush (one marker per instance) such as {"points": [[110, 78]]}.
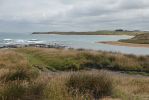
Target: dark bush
{"points": [[13, 91], [97, 85], [18, 75]]}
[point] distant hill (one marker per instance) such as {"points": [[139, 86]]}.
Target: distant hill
{"points": [[94, 33]]}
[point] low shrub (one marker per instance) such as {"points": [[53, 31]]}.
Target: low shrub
{"points": [[35, 90], [13, 91], [18, 74], [97, 85]]}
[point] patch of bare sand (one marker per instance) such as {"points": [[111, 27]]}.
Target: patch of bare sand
{"points": [[125, 44]]}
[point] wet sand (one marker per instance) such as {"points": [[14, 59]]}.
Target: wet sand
{"points": [[125, 44]]}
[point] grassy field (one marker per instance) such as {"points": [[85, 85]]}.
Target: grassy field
{"points": [[138, 39], [94, 33], [58, 74], [61, 59]]}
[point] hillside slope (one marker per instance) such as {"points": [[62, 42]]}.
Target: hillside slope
{"points": [[140, 39]]}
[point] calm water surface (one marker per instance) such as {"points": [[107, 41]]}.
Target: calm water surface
{"points": [[74, 41]]}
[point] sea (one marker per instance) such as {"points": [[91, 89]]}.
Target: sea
{"points": [[73, 41]]}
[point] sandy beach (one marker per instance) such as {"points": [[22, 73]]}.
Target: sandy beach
{"points": [[125, 44]]}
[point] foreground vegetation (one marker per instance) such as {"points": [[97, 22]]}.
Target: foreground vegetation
{"points": [[139, 39], [51, 74], [60, 59], [94, 33]]}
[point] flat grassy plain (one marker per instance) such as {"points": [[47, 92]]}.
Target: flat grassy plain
{"points": [[59, 74]]}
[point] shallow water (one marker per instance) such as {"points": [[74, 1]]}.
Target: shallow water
{"points": [[73, 41]]}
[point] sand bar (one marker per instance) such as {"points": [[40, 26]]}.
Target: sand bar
{"points": [[125, 44]]}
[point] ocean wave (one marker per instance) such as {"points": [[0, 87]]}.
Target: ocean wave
{"points": [[21, 41]]}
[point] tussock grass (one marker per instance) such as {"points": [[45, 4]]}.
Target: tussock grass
{"points": [[20, 84], [17, 77], [97, 85], [129, 87], [82, 85], [76, 86], [64, 87], [9, 58], [56, 88], [17, 74]]}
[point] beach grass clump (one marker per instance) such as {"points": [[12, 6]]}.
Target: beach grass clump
{"points": [[56, 89], [9, 58], [131, 87], [12, 91], [79, 86], [22, 90], [96, 85], [105, 61], [36, 88], [20, 83], [15, 75], [114, 61], [123, 62], [9, 74]]}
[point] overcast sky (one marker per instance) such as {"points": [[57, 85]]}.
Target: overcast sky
{"points": [[73, 15]]}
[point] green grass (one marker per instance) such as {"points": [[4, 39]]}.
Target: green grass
{"points": [[136, 73], [59, 59], [51, 59]]}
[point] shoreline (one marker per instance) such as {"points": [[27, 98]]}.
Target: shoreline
{"points": [[117, 43]]}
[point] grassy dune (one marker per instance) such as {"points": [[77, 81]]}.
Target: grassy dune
{"points": [[138, 39], [57, 74]]}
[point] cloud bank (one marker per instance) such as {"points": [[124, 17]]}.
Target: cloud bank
{"points": [[73, 15]]}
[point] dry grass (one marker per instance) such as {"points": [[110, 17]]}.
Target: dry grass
{"points": [[56, 89], [20, 80], [54, 86], [131, 87], [125, 87], [9, 58], [97, 85]]}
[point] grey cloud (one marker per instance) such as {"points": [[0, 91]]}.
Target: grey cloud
{"points": [[133, 4], [73, 15]]}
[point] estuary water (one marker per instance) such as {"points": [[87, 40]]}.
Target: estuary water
{"points": [[73, 41]]}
